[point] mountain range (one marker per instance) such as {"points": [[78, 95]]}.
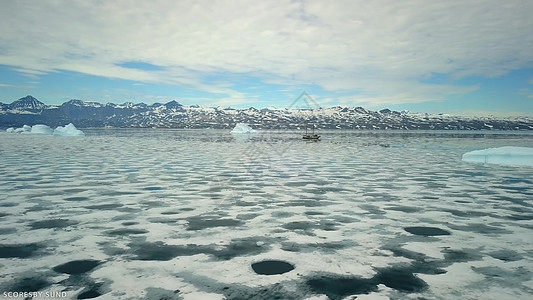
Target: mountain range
{"points": [[28, 110]]}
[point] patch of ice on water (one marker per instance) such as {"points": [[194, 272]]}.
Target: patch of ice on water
{"points": [[432, 250], [25, 128], [508, 155], [242, 128], [204, 295], [321, 297], [41, 129], [67, 130], [366, 237], [376, 295], [460, 277]]}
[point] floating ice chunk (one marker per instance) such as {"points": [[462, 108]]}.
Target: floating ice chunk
{"points": [[242, 128], [23, 129], [520, 156], [203, 295], [41, 129], [373, 296], [35, 129], [68, 130]]}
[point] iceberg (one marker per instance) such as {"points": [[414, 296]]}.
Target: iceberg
{"points": [[23, 129], [509, 155], [242, 128], [68, 130], [41, 129]]}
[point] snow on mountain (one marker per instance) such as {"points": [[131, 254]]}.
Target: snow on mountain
{"points": [[172, 114], [80, 103], [26, 103]]}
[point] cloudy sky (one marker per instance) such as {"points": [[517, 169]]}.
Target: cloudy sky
{"points": [[461, 57]]}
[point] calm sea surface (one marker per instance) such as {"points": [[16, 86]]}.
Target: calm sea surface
{"points": [[204, 214]]}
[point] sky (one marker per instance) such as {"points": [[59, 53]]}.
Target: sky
{"points": [[463, 57]]}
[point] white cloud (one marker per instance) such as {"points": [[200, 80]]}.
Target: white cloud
{"points": [[27, 86], [526, 92], [381, 50]]}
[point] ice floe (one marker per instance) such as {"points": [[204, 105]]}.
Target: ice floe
{"points": [[242, 128], [508, 155], [169, 215], [40, 129], [67, 130]]}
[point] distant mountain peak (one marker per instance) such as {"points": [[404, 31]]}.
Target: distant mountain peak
{"points": [[80, 103], [75, 102], [28, 102], [172, 104], [28, 98]]}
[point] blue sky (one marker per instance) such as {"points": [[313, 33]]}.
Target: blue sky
{"points": [[458, 57]]}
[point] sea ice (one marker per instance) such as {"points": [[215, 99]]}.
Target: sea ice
{"points": [[242, 128], [67, 130], [509, 155], [41, 129], [337, 227], [25, 128]]}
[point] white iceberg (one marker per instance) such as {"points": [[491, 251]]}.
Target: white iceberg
{"points": [[23, 129], [509, 155], [68, 130], [242, 128], [41, 129]]}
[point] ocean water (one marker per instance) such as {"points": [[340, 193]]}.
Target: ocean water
{"points": [[204, 214]]}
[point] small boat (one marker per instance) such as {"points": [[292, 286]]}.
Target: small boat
{"points": [[311, 136]]}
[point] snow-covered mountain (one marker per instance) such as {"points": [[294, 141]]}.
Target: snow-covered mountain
{"points": [[29, 110], [27, 103]]}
